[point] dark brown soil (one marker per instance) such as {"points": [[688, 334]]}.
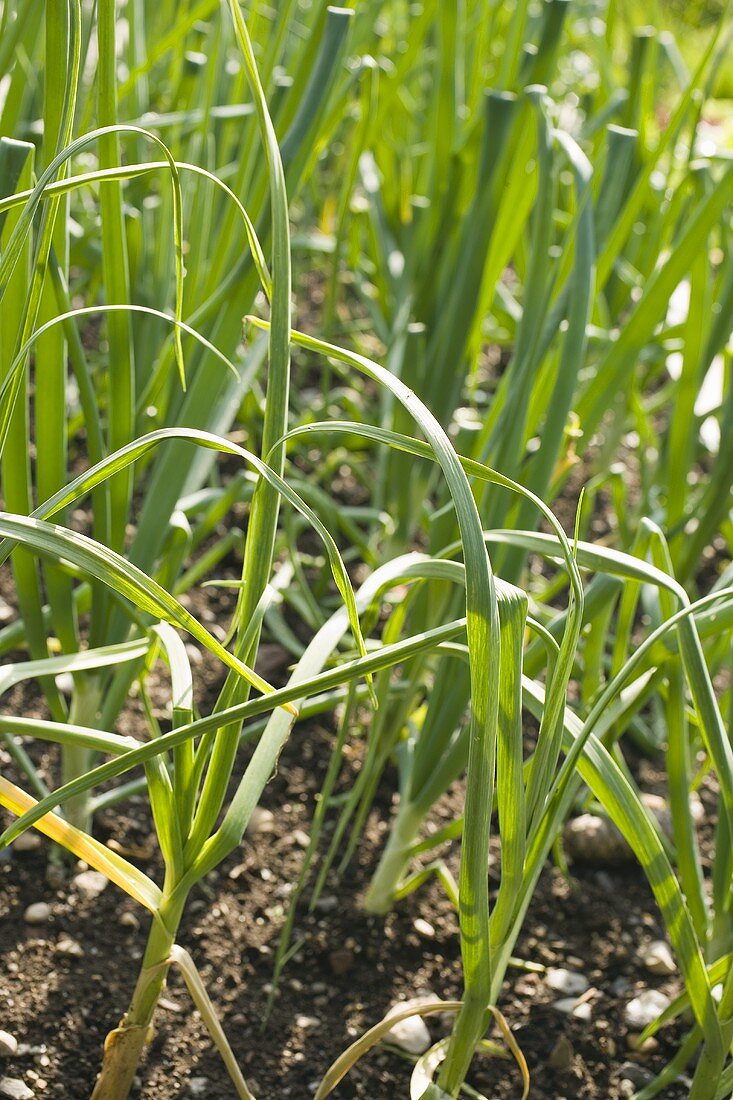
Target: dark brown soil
{"points": [[348, 972]]}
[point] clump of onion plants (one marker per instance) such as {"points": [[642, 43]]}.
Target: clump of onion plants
{"points": [[188, 769], [505, 188], [84, 382]]}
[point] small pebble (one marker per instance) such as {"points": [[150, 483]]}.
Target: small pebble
{"points": [[647, 1047], [341, 961], [411, 1034], [37, 913], [327, 904], [571, 1006], [89, 884], [564, 981], [301, 838], [65, 683], [658, 959], [305, 1022], [129, 920], [562, 1054], [8, 1044], [596, 840], [261, 821], [424, 928], [199, 1086], [636, 1074], [68, 946], [14, 1089], [29, 841], [645, 1008]]}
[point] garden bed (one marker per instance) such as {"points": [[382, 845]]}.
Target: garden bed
{"points": [[349, 970]]}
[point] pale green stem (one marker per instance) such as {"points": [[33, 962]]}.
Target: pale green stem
{"points": [[77, 759], [395, 859], [124, 1046]]}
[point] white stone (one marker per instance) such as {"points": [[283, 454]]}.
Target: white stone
{"points": [[571, 1006], [89, 884], [411, 1034], [645, 1008], [8, 1044], [564, 981], [657, 958], [424, 928], [37, 913], [305, 1022], [65, 683], [327, 904], [68, 946], [566, 1005], [593, 839], [14, 1089], [261, 821], [199, 1086]]}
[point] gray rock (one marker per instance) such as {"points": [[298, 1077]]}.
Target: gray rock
{"points": [[8, 1045], [568, 982], [596, 840], [261, 821], [562, 1054], [638, 1075], [69, 946], [37, 913], [89, 884], [327, 904], [14, 1089], [645, 1008], [658, 958], [199, 1086], [65, 683], [411, 1034], [571, 1006], [306, 1022]]}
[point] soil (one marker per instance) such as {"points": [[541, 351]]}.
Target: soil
{"points": [[350, 968]]}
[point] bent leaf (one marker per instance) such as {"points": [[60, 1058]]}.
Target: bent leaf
{"points": [[128, 877]]}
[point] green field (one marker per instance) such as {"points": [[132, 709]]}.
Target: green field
{"points": [[396, 337]]}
